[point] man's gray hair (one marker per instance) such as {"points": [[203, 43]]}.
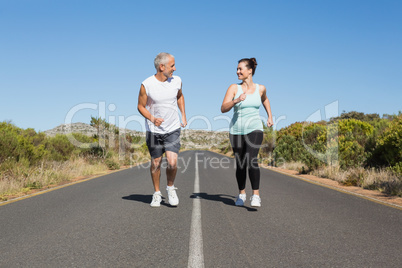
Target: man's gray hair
{"points": [[162, 58]]}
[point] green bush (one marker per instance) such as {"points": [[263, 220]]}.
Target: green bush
{"points": [[396, 169], [16, 143], [352, 137], [311, 132], [389, 145], [299, 143], [357, 116], [379, 127], [9, 144], [60, 148], [84, 145], [343, 142], [295, 130], [29, 151], [288, 149], [111, 164], [268, 145]]}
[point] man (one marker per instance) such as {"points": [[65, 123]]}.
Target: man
{"points": [[159, 97]]}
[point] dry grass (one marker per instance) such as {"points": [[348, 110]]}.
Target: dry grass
{"points": [[385, 181], [382, 180], [19, 178], [298, 166]]}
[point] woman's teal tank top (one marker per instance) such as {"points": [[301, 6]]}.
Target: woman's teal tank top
{"points": [[246, 117]]}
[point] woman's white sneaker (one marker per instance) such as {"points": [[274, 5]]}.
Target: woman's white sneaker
{"points": [[255, 201], [156, 199], [240, 200]]}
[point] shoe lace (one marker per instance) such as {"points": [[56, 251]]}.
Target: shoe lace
{"points": [[172, 190], [255, 198], [156, 197]]}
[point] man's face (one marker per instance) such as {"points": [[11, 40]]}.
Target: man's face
{"points": [[169, 68]]}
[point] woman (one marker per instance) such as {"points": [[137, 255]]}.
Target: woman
{"points": [[246, 129]]}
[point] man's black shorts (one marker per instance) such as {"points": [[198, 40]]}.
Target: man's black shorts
{"points": [[160, 143]]}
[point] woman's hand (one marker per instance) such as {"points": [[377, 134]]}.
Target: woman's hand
{"points": [[270, 123], [242, 97]]}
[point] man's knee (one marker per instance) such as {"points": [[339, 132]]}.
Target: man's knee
{"points": [[156, 164], [172, 160], [172, 164]]}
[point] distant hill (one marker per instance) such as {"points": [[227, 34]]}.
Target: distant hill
{"points": [[83, 129], [190, 139], [202, 139]]}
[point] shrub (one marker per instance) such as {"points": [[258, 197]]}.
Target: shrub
{"points": [[112, 164], [389, 145], [354, 177], [288, 149], [60, 148], [353, 135], [305, 147], [16, 143], [379, 127], [396, 169], [295, 130], [223, 147], [315, 146], [8, 141], [267, 146], [357, 116], [112, 161]]}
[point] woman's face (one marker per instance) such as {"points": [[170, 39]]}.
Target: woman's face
{"points": [[242, 71]]}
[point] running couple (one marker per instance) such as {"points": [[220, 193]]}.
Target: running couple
{"points": [[159, 97]]}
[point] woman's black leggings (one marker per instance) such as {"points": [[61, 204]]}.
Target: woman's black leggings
{"points": [[246, 148]]}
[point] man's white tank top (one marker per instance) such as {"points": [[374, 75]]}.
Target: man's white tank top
{"points": [[162, 103]]}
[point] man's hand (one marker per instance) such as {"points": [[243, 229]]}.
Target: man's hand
{"points": [[184, 122], [158, 121]]}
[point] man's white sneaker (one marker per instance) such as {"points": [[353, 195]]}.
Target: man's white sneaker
{"points": [[156, 200], [172, 196], [255, 201], [240, 200]]}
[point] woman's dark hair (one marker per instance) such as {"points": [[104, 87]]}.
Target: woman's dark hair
{"points": [[250, 63]]}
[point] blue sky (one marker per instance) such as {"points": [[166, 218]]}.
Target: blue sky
{"points": [[67, 60]]}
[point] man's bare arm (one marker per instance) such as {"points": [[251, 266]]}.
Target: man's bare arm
{"points": [[142, 102], [182, 108]]}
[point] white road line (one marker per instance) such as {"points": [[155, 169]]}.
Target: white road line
{"points": [[196, 254]]}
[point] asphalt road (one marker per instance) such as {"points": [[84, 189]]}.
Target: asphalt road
{"points": [[107, 222]]}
